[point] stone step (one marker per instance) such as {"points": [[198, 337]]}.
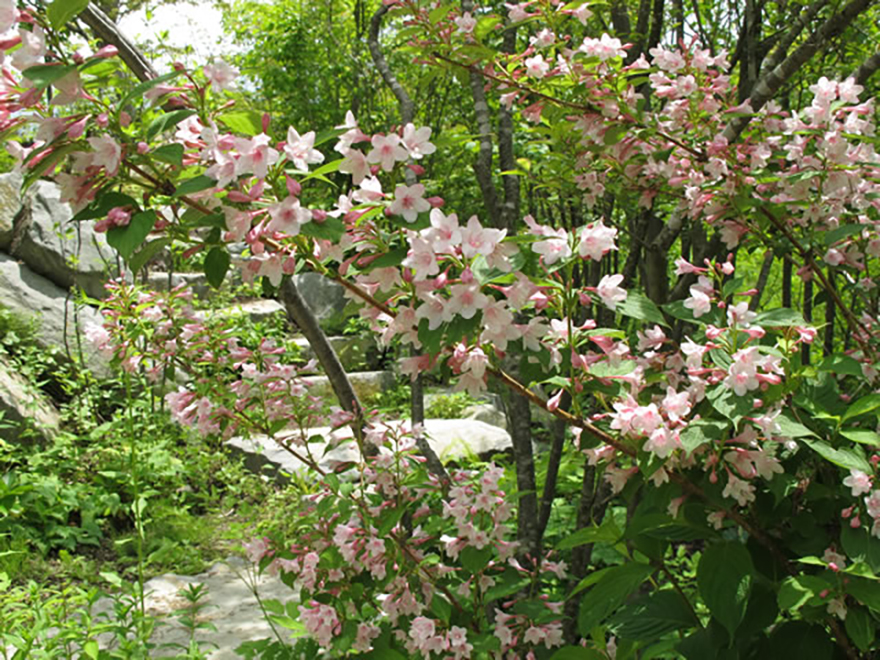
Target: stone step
{"points": [[451, 439], [364, 383], [258, 310]]}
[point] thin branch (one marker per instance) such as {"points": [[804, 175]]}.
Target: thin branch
{"points": [[407, 110], [775, 58], [867, 69], [106, 30]]}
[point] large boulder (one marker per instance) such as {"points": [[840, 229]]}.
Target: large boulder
{"points": [[10, 206], [365, 384], [325, 298], [27, 413], [355, 352], [28, 294], [69, 254]]}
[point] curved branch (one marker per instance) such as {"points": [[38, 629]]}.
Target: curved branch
{"points": [[407, 109], [106, 30], [771, 83], [774, 59], [867, 69]]}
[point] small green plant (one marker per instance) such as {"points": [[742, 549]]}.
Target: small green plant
{"points": [[449, 406], [189, 619], [394, 402]]}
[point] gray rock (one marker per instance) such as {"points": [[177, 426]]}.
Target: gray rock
{"points": [[451, 439], [485, 412], [355, 352], [257, 310], [325, 298], [196, 281], [10, 205], [66, 253], [27, 413], [365, 384], [31, 295]]}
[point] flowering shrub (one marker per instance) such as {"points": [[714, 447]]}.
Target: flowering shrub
{"points": [[709, 430]]}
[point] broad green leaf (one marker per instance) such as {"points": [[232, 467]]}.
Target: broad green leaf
{"points": [[729, 403], [605, 533], [43, 75], [799, 639], [797, 590], [168, 120], [389, 521], [146, 253], [169, 153], [842, 232], [702, 431], [860, 627], [510, 583], [862, 436], [90, 648], [863, 406], [859, 544], [867, 592], [841, 365], [129, 238], [724, 578], [441, 608], [244, 122], [328, 168], [782, 316], [216, 266], [609, 593], [61, 12], [614, 134], [47, 164], [850, 458], [653, 616], [792, 429], [331, 229], [194, 185], [475, 560], [639, 306], [389, 259]]}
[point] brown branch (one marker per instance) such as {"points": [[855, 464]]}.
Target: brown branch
{"points": [[867, 69], [106, 30]]}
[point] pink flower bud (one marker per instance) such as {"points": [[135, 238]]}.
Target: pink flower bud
{"points": [[161, 223], [435, 202], [78, 58], [143, 148], [418, 170], [407, 275], [77, 128], [824, 593], [289, 266], [374, 170], [856, 522], [124, 119], [467, 276], [266, 121], [319, 215], [293, 186], [102, 120], [846, 513], [179, 67], [553, 401], [107, 51]]}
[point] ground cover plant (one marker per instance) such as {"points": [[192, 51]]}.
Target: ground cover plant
{"points": [[710, 490]]}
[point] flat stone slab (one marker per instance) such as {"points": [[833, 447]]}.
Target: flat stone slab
{"points": [[364, 383], [451, 439], [257, 310], [354, 351], [24, 407]]}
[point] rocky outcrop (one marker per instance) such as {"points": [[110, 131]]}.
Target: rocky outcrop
{"points": [[365, 384], [28, 414], [28, 294], [355, 352], [10, 206], [325, 298]]}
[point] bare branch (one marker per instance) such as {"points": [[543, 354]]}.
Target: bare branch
{"points": [[106, 30], [774, 59], [867, 69], [407, 109]]}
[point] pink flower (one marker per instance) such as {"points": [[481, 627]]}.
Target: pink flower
{"points": [[466, 23], [256, 156], [444, 233], [536, 67], [466, 300], [610, 292], [477, 240], [554, 247], [221, 75], [596, 241], [355, 163], [107, 153], [605, 48], [409, 201], [421, 259], [386, 151], [288, 216], [300, 150], [859, 482], [416, 141], [699, 302]]}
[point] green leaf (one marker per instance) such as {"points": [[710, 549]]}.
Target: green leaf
{"points": [[862, 436], [331, 229], [43, 75], [842, 232], [245, 122], [860, 545], [849, 458], [146, 253], [90, 648], [863, 406], [860, 627], [389, 259], [867, 592], [139, 90], [47, 164], [100, 206], [389, 521], [577, 653], [166, 121], [797, 590], [798, 639], [216, 266], [841, 365], [194, 185], [510, 583], [638, 306], [441, 608], [328, 168], [169, 153], [61, 12], [724, 578], [475, 560], [792, 429], [608, 532], [729, 403], [653, 616], [129, 238], [783, 317], [614, 134], [702, 431], [609, 592]]}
